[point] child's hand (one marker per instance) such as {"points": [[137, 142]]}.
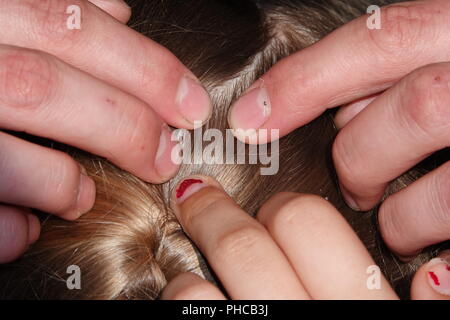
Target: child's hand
{"points": [[298, 247]]}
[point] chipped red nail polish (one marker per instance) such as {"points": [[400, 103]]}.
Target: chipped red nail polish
{"points": [[439, 276], [434, 277], [185, 185]]}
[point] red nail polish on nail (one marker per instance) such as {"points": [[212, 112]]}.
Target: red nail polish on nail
{"points": [[186, 184], [434, 278]]}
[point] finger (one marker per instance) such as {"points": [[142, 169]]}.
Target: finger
{"points": [[109, 50], [432, 280], [43, 96], [48, 180], [18, 229], [399, 129], [300, 87], [189, 286], [418, 215], [325, 252], [239, 250], [34, 228], [349, 111], [117, 8]]}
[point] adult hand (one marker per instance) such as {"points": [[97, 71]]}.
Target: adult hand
{"points": [[103, 88], [396, 84], [298, 247]]}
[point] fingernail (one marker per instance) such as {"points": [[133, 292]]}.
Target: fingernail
{"points": [[438, 275], [119, 2], [85, 196], [164, 162], [188, 187], [348, 198], [34, 228], [251, 111], [193, 101]]}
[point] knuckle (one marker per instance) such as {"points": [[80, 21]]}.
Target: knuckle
{"points": [[239, 241], [290, 210], [427, 97], [62, 180], [289, 85], [49, 22], [299, 210], [138, 131], [27, 79], [401, 26]]}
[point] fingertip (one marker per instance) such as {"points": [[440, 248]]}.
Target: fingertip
{"points": [[348, 198], [177, 284], [166, 159], [85, 197], [432, 280], [193, 194], [190, 185], [87, 193], [34, 228], [193, 101], [357, 202], [251, 110], [189, 286]]}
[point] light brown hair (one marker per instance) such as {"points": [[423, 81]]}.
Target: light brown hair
{"points": [[130, 244]]}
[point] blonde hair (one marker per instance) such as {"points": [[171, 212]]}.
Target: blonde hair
{"points": [[130, 244]]}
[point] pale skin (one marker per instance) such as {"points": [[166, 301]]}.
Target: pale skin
{"points": [[396, 84], [298, 247]]}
